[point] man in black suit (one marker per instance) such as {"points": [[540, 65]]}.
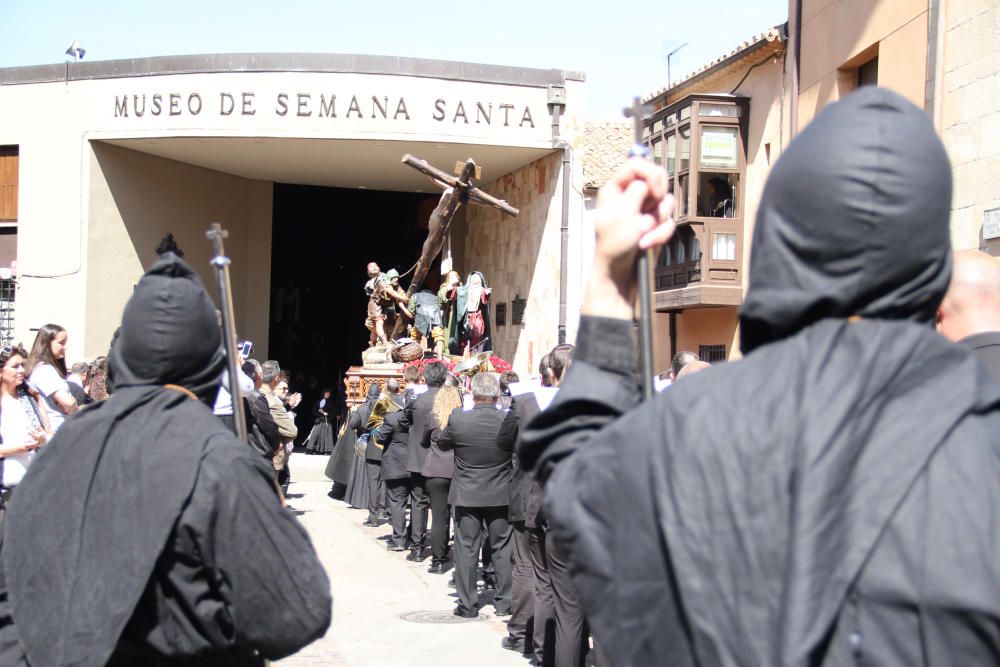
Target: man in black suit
{"points": [[419, 419], [970, 311], [521, 627], [395, 438], [480, 494]]}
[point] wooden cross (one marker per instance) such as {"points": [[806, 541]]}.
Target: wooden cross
{"points": [[458, 189]]}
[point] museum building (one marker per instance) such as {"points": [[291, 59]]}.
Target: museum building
{"points": [[299, 158]]}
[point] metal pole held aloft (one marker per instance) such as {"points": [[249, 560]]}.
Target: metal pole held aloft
{"points": [[637, 112], [221, 264]]}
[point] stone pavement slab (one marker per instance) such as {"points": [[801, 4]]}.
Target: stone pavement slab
{"points": [[373, 589]]}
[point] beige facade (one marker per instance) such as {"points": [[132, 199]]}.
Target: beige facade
{"points": [[967, 113], [114, 155]]}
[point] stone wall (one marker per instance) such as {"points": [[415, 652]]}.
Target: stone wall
{"points": [[520, 259], [970, 116]]}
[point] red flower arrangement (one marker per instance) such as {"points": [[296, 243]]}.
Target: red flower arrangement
{"points": [[499, 365], [496, 364]]}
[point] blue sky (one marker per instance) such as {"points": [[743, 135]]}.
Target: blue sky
{"points": [[620, 46]]}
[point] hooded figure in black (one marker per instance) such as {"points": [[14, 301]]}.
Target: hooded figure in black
{"points": [[146, 534], [832, 498]]}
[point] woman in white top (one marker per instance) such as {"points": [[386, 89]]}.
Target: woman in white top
{"points": [[46, 370], [23, 427]]}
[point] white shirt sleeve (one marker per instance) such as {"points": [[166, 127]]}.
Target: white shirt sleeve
{"points": [[46, 381]]}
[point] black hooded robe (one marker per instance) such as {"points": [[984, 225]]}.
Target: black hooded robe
{"points": [[831, 498], [145, 532]]}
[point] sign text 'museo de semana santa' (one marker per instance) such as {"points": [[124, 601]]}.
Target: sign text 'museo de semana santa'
{"points": [[305, 105]]}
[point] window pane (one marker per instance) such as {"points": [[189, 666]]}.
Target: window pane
{"points": [[719, 147], [716, 194], [681, 252], [685, 158], [730, 110], [724, 246], [695, 249], [671, 145], [684, 113], [682, 196], [655, 152]]}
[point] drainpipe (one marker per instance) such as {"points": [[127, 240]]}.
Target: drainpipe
{"points": [[557, 101], [795, 39]]}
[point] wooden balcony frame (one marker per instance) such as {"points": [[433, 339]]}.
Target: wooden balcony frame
{"points": [[686, 114]]}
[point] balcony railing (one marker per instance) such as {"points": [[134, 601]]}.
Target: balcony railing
{"points": [[678, 275]]}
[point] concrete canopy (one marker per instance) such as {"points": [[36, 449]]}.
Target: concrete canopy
{"points": [[343, 163]]}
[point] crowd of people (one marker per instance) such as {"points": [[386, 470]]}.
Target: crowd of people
{"points": [[827, 500], [433, 455]]}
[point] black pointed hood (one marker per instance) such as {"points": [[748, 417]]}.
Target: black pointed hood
{"points": [[853, 221], [170, 333]]}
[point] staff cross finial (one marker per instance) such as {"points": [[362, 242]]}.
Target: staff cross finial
{"points": [[638, 112]]}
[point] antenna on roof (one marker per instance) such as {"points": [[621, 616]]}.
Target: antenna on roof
{"points": [[668, 55]]}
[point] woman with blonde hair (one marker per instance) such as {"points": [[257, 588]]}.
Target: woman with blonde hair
{"points": [[438, 469]]}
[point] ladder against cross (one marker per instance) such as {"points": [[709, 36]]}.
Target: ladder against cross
{"points": [[458, 189]]}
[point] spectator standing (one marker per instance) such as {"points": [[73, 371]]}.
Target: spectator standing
{"points": [[78, 379], [23, 425], [271, 377], [480, 494], [97, 385], [46, 371]]}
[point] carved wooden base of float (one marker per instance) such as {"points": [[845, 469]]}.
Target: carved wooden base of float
{"points": [[358, 379]]}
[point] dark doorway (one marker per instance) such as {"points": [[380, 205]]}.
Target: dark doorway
{"points": [[321, 241]]}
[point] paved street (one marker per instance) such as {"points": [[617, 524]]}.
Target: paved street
{"points": [[374, 590]]}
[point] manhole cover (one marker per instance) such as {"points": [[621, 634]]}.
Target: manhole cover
{"points": [[436, 617]]}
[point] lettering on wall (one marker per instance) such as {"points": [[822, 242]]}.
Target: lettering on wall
{"points": [[496, 113]]}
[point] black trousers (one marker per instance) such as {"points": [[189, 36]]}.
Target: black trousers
{"points": [[543, 635], [437, 491], [396, 491], [285, 477], [376, 490], [418, 510], [572, 631], [469, 522], [519, 627]]}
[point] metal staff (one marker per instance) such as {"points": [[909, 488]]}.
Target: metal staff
{"points": [[221, 263], [637, 112]]}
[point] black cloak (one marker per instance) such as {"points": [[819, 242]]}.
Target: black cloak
{"points": [[832, 498], [338, 468], [144, 530]]}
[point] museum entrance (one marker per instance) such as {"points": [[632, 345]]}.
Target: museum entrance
{"points": [[322, 238]]}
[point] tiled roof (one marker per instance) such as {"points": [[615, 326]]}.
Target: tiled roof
{"points": [[775, 33], [605, 145]]}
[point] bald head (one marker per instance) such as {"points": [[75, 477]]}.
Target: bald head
{"points": [[691, 368], [972, 304]]}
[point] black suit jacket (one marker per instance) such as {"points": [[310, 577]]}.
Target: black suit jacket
{"points": [[395, 440], [417, 417], [522, 410], [986, 347], [482, 463]]}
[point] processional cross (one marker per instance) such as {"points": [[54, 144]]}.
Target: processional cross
{"points": [[458, 190], [638, 112]]}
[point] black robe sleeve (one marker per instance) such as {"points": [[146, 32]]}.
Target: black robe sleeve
{"points": [[599, 497], [276, 588]]}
